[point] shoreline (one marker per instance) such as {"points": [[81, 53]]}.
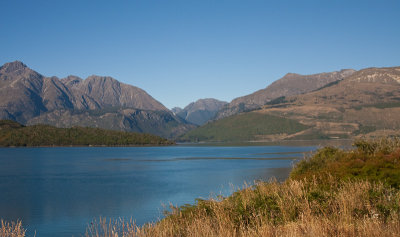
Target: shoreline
{"points": [[62, 146], [317, 142]]}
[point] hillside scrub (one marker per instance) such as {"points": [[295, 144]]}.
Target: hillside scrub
{"points": [[14, 134], [244, 127], [376, 161]]}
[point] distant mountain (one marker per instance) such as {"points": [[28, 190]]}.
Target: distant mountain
{"points": [[176, 110], [201, 111], [365, 103], [290, 84], [31, 98]]}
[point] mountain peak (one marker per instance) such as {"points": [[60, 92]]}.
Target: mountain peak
{"points": [[201, 111], [290, 74], [103, 78], [12, 66], [71, 80], [176, 110]]}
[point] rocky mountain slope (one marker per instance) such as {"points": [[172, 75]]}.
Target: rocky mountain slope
{"points": [[201, 111], [366, 103], [31, 98], [290, 84]]}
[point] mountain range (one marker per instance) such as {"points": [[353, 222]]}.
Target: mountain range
{"points": [[31, 98], [350, 104], [290, 84], [340, 104]]}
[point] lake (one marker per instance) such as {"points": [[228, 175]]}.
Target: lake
{"points": [[58, 191]]}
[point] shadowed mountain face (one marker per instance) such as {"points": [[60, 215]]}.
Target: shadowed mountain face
{"points": [[201, 111], [290, 84], [30, 98], [20, 92]]}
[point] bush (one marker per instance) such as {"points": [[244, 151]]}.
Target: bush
{"points": [[375, 160]]}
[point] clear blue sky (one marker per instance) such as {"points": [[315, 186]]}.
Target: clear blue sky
{"points": [[181, 51]]}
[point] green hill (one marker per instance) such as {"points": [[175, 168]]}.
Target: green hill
{"points": [[15, 134], [244, 127]]}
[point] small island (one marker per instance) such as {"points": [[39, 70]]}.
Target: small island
{"points": [[13, 134]]}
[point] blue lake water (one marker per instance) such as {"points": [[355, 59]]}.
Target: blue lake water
{"points": [[58, 191]]}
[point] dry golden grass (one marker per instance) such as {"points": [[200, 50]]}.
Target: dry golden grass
{"points": [[13, 229], [293, 208]]}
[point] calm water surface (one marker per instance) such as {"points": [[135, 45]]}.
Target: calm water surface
{"points": [[58, 191]]}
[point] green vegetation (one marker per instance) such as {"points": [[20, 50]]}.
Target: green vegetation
{"points": [[379, 105], [244, 127], [279, 100], [376, 161], [313, 135], [364, 129], [14, 134], [329, 85], [9, 124]]}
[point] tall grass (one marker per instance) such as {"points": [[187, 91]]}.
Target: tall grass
{"points": [[293, 208], [111, 228], [13, 229]]}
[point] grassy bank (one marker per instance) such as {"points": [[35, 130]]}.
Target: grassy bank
{"points": [[244, 127], [332, 193], [15, 134], [294, 208]]}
